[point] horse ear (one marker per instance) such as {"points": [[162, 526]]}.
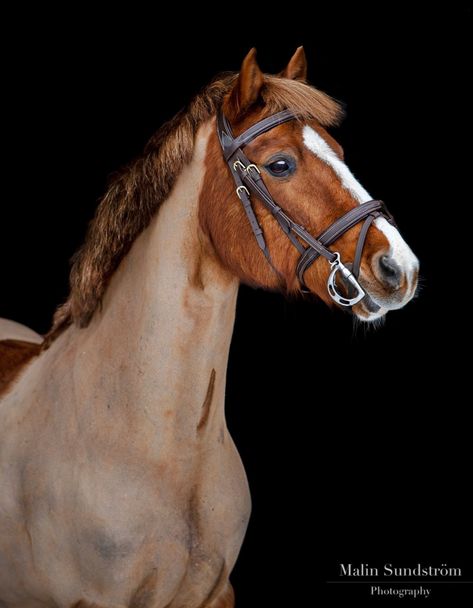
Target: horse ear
{"points": [[247, 89], [296, 69]]}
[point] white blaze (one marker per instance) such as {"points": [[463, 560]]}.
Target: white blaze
{"points": [[322, 150], [399, 249]]}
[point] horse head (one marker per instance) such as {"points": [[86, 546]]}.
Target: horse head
{"points": [[301, 168]]}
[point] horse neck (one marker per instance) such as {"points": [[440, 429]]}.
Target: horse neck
{"points": [[160, 343]]}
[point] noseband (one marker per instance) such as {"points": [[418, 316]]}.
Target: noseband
{"points": [[248, 180]]}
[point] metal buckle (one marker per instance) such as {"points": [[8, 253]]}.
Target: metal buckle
{"points": [[240, 188], [238, 163], [252, 166], [337, 266]]}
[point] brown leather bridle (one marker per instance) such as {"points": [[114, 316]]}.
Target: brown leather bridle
{"points": [[248, 179]]}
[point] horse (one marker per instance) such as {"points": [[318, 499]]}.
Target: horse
{"points": [[121, 485]]}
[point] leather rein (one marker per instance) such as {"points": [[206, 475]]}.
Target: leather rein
{"points": [[248, 181]]}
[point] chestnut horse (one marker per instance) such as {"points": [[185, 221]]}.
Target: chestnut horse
{"points": [[120, 484]]}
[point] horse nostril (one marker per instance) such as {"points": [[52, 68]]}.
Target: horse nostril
{"points": [[390, 271]]}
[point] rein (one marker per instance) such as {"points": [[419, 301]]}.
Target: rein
{"points": [[248, 181]]}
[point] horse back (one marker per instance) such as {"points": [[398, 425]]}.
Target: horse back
{"points": [[18, 345]]}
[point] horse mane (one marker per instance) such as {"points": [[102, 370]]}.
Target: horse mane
{"points": [[137, 191]]}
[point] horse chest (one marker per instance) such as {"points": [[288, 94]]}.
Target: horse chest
{"points": [[216, 517], [185, 541], [216, 512]]}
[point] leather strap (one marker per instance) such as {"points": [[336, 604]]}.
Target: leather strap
{"points": [[225, 133], [361, 243], [230, 144], [336, 230]]}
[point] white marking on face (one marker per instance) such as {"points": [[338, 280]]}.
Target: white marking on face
{"points": [[399, 250], [322, 150]]}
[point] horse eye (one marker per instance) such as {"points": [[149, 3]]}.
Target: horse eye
{"points": [[280, 167]]}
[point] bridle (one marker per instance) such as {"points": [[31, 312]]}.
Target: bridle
{"points": [[248, 180]]}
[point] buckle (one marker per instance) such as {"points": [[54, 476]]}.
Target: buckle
{"points": [[241, 189]]}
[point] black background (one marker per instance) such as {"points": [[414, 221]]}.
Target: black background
{"points": [[357, 443]]}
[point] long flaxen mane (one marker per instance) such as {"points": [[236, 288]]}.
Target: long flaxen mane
{"points": [[136, 193]]}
